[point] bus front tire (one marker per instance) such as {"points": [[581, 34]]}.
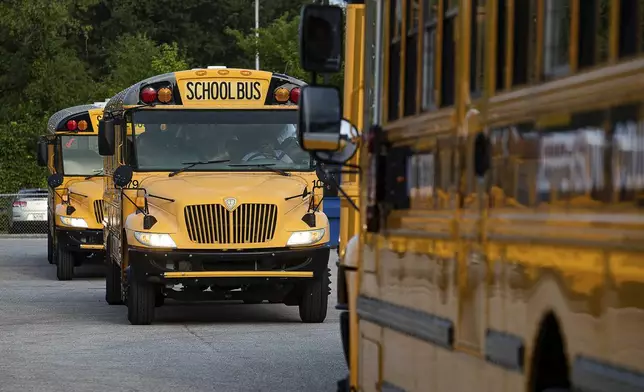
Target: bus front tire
{"points": [[50, 248], [113, 283], [64, 263], [141, 302], [314, 299]]}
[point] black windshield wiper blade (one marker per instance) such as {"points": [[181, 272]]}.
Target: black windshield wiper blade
{"points": [[193, 164], [263, 165], [98, 173]]}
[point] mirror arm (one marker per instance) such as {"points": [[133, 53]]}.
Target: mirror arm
{"points": [[133, 202], [59, 195], [319, 204], [339, 188], [357, 167], [332, 163]]}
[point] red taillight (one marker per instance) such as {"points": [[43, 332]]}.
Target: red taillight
{"points": [[71, 125], [295, 95], [148, 95], [20, 204]]}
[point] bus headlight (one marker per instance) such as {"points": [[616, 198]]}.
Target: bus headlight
{"points": [[155, 240], [73, 222], [305, 237]]}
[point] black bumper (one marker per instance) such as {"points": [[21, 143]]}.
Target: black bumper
{"points": [[87, 240], [151, 266]]}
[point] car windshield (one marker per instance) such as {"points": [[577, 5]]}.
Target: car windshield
{"points": [[80, 155], [237, 140]]}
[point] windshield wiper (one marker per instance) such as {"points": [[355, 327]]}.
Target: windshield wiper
{"points": [[263, 165], [99, 172], [193, 164]]}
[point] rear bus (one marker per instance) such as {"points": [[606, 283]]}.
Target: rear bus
{"points": [[75, 202]]}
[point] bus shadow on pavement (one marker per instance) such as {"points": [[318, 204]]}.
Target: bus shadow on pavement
{"points": [[225, 313]]}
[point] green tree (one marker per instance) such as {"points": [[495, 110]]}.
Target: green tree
{"points": [[133, 58], [278, 48], [198, 26], [39, 73], [56, 54]]}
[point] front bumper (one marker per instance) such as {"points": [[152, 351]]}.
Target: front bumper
{"points": [[84, 240], [170, 267]]}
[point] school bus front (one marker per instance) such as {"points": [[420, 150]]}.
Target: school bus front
{"points": [[75, 213], [216, 195]]}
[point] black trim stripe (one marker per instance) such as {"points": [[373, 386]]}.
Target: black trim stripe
{"points": [[591, 375], [504, 350], [421, 325]]}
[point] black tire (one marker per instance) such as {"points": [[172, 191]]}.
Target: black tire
{"points": [[141, 302], [50, 247], [159, 298], [113, 284], [315, 298], [64, 263], [113, 279]]}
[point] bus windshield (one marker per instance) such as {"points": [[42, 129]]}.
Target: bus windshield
{"points": [[167, 140], [80, 155]]}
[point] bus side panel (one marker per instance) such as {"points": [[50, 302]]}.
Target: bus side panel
{"points": [[565, 229]]}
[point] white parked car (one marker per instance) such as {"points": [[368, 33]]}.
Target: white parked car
{"points": [[29, 211]]}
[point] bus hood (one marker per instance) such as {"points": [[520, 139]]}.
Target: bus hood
{"points": [[190, 189], [86, 191]]}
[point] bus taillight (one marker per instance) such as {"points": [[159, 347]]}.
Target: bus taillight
{"points": [[295, 95], [148, 95], [71, 125]]}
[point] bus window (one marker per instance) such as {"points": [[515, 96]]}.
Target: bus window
{"points": [[80, 155], [556, 60], [430, 9], [393, 88]]}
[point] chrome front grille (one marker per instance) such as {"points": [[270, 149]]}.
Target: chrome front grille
{"points": [[247, 224], [98, 211]]}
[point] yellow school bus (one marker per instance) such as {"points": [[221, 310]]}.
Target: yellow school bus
{"points": [[208, 195], [502, 223], [75, 211], [353, 108]]}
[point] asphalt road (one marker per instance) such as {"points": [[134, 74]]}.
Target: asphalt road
{"points": [[62, 336]]}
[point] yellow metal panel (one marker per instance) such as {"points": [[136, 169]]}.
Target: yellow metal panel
{"points": [[90, 246]]}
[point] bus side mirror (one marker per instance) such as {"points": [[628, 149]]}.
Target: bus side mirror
{"points": [[349, 143], [122, 176], [106, 137], [42, 152], [320, 118], [55, 180], [321, 31]]}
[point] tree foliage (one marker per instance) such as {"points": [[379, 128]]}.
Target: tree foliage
{"points": [[57, 54], [278, 47]]}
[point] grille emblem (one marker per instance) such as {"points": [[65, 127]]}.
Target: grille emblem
{"points": [[231, 203]]}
